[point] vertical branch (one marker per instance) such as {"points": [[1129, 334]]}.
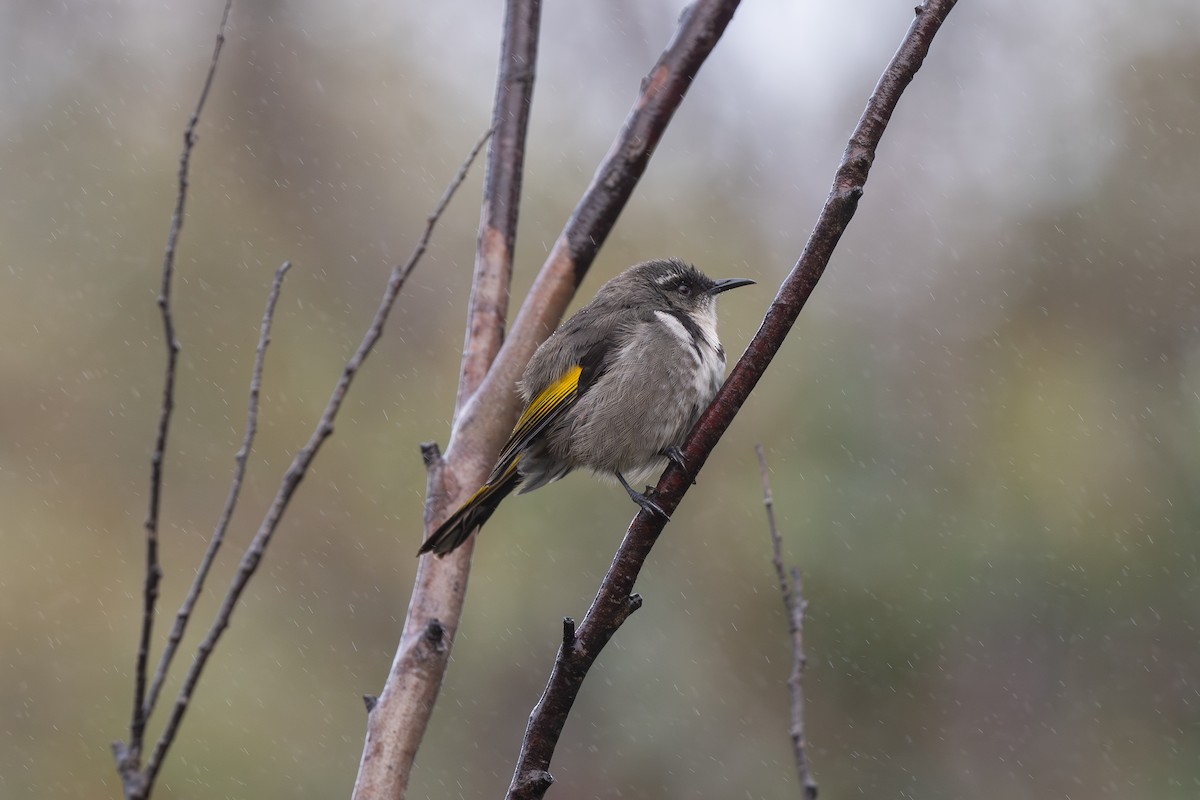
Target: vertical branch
{"points": [[796, 606], [397, 721], [235, 489], [611, 606], [130, 756], [487, 313]]}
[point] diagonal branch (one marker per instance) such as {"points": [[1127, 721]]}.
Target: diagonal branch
{"points": [[795, 605], [296, 472], [615, 601], [235, 489], [129, 757]]}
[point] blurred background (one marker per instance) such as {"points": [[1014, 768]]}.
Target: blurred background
{"points": [[984, 431]]}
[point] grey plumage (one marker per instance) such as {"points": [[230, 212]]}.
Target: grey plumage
{"points": [[648, 387], [649, 362]]}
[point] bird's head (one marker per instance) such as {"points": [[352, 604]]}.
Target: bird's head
{"points": [[670, 285]]}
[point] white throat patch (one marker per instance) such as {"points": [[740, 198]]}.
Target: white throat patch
{"points": [[706, 322], [707, 355], [672, 323]]}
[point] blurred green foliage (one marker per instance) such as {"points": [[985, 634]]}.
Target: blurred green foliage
{"points": [[983, 433]]}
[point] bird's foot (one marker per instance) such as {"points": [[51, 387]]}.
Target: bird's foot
{"points": [[643, 500], [649, 505], [675, 455]]}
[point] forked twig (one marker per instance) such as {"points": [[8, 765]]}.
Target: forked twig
{"points": [[615, 599], [128, 757], [297, 470], [796, 606]]}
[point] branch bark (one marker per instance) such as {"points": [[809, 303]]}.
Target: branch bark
{"points": [[613, 601], [487, 405]]}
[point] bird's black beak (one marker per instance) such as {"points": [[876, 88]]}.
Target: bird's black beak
{"points": [[727, 284]]}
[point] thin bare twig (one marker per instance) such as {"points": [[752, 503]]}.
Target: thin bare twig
{"points": [[235, 489], [129, 757], [297, 470], [615, 599], [398, 719], [796, 606]]}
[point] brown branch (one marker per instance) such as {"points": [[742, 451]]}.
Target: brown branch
{"points": [[128, 758], [235, 489], [488, 310], [397, 721], [610, 606], [796, 606], [296, 472]]}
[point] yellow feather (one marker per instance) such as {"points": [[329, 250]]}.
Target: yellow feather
{"points": [[550, 398]]}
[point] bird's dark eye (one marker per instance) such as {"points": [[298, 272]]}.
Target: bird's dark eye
{"points": [[684, 288]]}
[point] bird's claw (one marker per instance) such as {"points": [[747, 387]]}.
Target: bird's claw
{"points": [[675, 456], [643, 500], [650, 506]]}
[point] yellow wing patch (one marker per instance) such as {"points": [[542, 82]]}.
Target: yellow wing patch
{"points": [[555, 397], [550, 399]]}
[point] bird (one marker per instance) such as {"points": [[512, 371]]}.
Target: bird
{"points": [[615, 390]]}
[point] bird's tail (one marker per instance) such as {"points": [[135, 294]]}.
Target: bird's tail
{"points": [[473, 513]]}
